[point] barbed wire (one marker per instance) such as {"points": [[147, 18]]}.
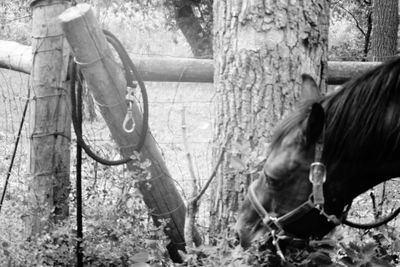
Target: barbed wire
{"points": [[15, 19]]}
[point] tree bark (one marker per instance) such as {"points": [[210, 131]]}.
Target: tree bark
{"points": [[385, 26], [50, 129], [260, 51]]}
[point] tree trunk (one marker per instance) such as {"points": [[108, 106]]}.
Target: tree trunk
{"points": [[50, 122], [385, 26], [199, 39], [260, 51]]}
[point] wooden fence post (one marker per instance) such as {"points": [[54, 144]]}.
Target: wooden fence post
{"points": [[50, 125], [106, 81]]}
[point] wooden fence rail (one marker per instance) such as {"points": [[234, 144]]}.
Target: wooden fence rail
{"points": [[172, 69]]}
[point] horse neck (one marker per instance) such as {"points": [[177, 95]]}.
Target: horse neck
{"points": [[348, 180], [357, 162]]}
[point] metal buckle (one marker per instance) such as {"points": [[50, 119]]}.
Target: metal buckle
{"points": [[130, 98], [271, 223], [317, 173], [317, 178], [275, 241], [330, 218]]}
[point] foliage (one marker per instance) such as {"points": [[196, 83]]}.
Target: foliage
{"points": [[161, 14], [355, 10], [117, 228], [202, 9], [144, 27], [370, 248], [145, 15], [14, 18], [147, 27], [356, 17]]}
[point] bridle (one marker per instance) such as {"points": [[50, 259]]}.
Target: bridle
{"points": [[317, 177]]}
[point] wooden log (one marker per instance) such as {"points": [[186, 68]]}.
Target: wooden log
{"points": [[18, 57], [341, 71], [15, 56], [50, 124], [173, 69], [107, 83]]}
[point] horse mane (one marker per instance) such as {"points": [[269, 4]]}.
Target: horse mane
{"points": [[362, 122]]}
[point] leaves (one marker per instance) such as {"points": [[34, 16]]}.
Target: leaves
{"points": [[5, 244], [364, 255], [369, 249], [320, 258], [349, 30]]}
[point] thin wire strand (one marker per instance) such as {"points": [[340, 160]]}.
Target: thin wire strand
{"points": [[17, 18]]}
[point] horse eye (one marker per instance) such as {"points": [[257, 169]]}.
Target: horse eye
{"points": [[272, 182]]}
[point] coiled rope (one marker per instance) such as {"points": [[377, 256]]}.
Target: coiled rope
{"points": [[131, 74]]}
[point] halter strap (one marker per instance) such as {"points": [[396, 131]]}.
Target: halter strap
{"points": [[319, 147], [278, 223], [317, 174], [268, 221]]}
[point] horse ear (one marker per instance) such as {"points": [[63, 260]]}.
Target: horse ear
{"points": [[315, 123], [310, 90]]}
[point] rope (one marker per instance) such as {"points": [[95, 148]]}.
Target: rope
{"points": [[374, 224], [85, 64], [130, 73], [76, 114], [79, 227]]}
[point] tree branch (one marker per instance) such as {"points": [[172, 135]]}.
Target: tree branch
{"points": [[192, 206], [193, 202], [188, 155], [214, 172], [355, 19]]}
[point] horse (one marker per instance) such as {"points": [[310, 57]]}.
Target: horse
{"points": [[326, 152]]}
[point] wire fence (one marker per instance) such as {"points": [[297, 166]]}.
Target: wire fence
{"points": [[166, 104], [166, 101]]}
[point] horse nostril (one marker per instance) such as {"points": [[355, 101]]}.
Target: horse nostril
{"points": [[237, 239]]}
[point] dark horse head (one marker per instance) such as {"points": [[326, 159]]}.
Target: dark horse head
{"points": [[358, 128]]}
